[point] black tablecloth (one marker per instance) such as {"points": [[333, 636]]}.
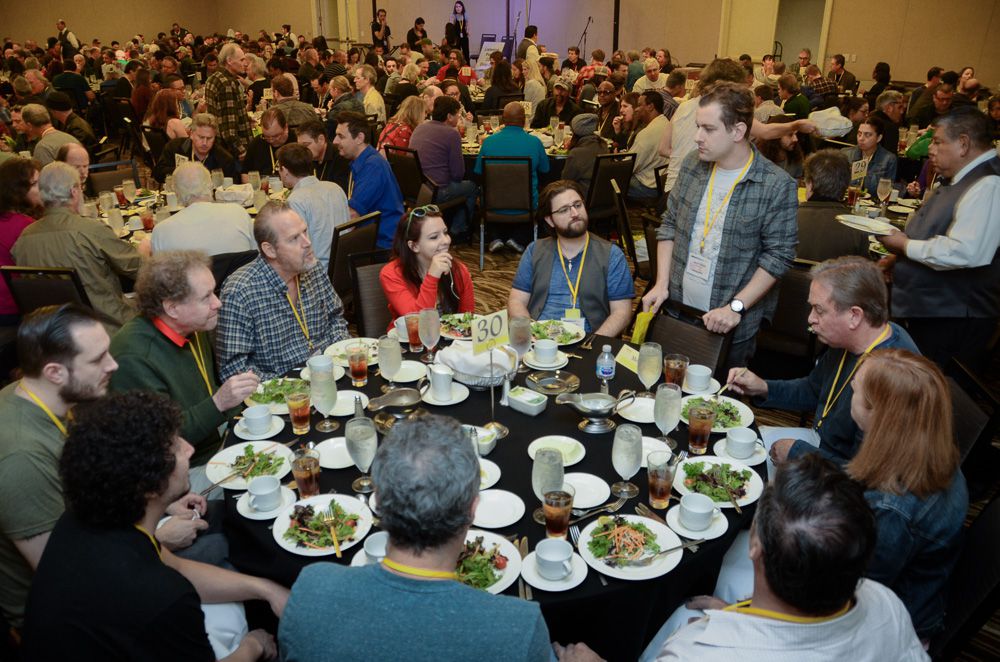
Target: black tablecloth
{"points": [[616, 620]]}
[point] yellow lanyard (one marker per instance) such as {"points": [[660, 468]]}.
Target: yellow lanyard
{"points": [[44, 407], [417, 572], [350, 186], [271, 149], [709, 219], [321, 173], [745, 608], [301, 319], [573, 289], [156, 545], [831, 399], [199, 360]]}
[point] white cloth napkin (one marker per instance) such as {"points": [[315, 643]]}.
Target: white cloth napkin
{"points": [[459, 357], [238, 193], [830, 123], [546, 139]]}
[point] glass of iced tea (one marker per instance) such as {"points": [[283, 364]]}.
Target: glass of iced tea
{"points": [[357, 359], [120, 195], [148, 220], [557, 505], [661, 477], [675, 368], [701, 420], [298, 411], [852, 195], [413, 331], [305, 468]]}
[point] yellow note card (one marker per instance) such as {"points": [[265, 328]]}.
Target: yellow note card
{"points": [[628, 356]]}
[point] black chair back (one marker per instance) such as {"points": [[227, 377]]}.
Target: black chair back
{"points": [[649, 230], [370, 304], [974, 427], [625, 239], [600, 198], [106, 176], [506, 186], [224, 264], [405, 164], [505, 99], [356, 236], [679, 330], [156, 140], [788, 333], [34, 287], [484, 114]]}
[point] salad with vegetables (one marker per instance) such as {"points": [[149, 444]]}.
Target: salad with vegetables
{"points": [[717, 481], [257, 463], [726, 413], [312, 529], [478, 567], [616, 541], [273, 391], [457, 325], [555, 330]]}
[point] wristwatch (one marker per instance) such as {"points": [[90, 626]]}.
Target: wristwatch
{"points": [[737, 306]]}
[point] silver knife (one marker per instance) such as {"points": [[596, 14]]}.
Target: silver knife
{"points": [[523, 548]]}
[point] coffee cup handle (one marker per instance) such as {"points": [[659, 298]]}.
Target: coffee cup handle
{"points": [[253, 501], [568, 567], [716, 513]]}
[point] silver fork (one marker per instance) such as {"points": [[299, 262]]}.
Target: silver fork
{"points": [[574, 533], [612, 507], [642, 563]]}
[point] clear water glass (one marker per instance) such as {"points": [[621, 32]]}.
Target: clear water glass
{"points": [[667, 411], [519, 329], [390, 360], [547, 473], [626, 458], [323, 394], [649, 365], [362, 440], [430, 332]]}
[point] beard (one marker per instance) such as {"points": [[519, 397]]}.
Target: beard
{"points": [[575, 229], [77, 391]]}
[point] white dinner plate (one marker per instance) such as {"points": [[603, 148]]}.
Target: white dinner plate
{"points": [[338, 351], [746, 415], [639, 410], [865, 203], [754, 488], [322, 502], [277, 408], [577, 331], [241, 431], [489, 474], [529, 571], [900, 209], [572, 450], [865, 224], [497, 509], [909, 202], [410, 371], [532, 361], [591, 490], [333, 453], [713, 386], [338, 372], [459, 392], [650, 445], [345, 403], [665, 538], [243, 505], [716, 528], [759, 454], [221, 463]]}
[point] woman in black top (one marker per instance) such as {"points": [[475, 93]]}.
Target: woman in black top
{"points": [[461, 23], [882, 77], [502, 83]]}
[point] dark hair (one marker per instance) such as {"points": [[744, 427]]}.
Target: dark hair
{"points": [[675, 78], [764, 92], [133, 65], [839, 59], [502, 78], [881, 73], [855, 281], [408, 229], [720, 69], [530, 31], [875, 123], [817, 534], [166, 277], [46, 336], [967, 121], [773, 151], [296, 158], [654, 99], [15, 182], [852, 105], [275, 115], [443, 107], [313, 128], [120, 450], [934, 72], [283, 85], [829, 172], [162, 108], [745, 57], [553, 189], [356, 123], [735, 104]]}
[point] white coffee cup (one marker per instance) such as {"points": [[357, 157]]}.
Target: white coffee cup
{"points": [[554, 559], [697, 511], [741, 442], [257, 419], [265, 493], [227, 182], [115, 220], [545, 350], [698, 377], [441, 376], [375, 546], [401, 328], [171, 200]]}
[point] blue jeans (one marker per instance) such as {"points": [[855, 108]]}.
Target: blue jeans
{"points": [[464, 189], [637, 190]]}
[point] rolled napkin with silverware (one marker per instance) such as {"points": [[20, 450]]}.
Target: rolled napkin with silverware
{"points": [[480, 370]]}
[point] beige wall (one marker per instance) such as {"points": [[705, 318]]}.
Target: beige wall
{"points": [[750, 29], [691, 36], [256, 15]]}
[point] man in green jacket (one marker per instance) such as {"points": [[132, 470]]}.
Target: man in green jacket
{"points": [[166, 349]]}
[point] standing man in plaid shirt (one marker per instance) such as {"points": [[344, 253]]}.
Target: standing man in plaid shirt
{"points": [[729, 232], [227, 100]]}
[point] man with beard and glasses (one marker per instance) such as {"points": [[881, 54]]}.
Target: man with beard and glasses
{"points": [[262, 153], [575, 275]]}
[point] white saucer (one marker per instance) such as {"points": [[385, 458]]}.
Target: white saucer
{"points": [[333, 454], [243, 505], [410, 371], [338, 372], [758, 456], [718, 526], [713, 386], [240, 429], [345, 403], [901, 209], [489, 474], [459, 392], [497, 509], [560, 361], [529, 572], [591, 490], [639, 410], [651, 444]]}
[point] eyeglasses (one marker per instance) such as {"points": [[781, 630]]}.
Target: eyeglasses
{"points": [[420, 212], [599, 92], [576, 206]]}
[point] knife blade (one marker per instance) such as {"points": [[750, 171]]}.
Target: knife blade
{"points": [[523, 548]]}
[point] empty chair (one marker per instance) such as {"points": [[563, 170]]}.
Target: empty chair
{"points": [[106, 176], [679, 330], [35, 287], [787, 337], [601, 205], [370, 304], [507, 198], [356, 236], [156, 139]]}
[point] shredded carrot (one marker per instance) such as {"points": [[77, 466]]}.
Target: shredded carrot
{"points": [[309, 544]]}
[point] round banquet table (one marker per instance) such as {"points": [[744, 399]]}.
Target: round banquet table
{"points": [[617, 619]]}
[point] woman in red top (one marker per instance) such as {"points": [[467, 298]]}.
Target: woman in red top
{"points": [[422, 273], [399, 129], [20, 204]]}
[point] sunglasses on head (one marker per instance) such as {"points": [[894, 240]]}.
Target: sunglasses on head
{"points": [[420, 212]]}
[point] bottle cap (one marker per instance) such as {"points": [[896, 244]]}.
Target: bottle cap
{"points": [[606, 348]]}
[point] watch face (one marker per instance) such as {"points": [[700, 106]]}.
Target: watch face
{"points": [[736, 305]]}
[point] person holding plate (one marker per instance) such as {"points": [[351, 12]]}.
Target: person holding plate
{"points": [[423, 273]]}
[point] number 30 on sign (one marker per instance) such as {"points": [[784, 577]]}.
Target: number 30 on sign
{"points": [[489, 331]]}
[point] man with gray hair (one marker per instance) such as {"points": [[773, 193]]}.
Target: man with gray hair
{"points": [[227, 100], [38, 124], [890, 108], [322, 205], [200, 146], [426, 475], [213, 227], [827, 175], [63, 238]]}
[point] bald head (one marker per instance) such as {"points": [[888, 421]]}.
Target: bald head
{"points": [[75, 155], [513, 114]]}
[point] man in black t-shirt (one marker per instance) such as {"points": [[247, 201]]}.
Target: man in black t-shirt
{"points": [[262, 152], [381, 32], [415, 34]]}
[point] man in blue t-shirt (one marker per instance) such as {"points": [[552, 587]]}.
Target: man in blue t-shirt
{"points": [[574, 275], [372, 186]]}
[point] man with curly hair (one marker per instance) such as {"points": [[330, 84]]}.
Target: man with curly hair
{"points": [[104, 584]]}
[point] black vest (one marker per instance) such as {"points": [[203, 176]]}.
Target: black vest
{"points": [[593, 295], [919, 291]]}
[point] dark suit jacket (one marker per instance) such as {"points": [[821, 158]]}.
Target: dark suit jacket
{"points": [[821, 237]]}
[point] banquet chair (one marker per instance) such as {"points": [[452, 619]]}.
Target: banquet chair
{"points": [[504, 99], [106, 176], [507, 198], [679, 330], [625, 239], [786, 345], [356, 236], [601, 203], [416, 187], [224, 264], [649, 231], [34, 287], [482, 114], [371, 306], [156, 140], [976, 412]]}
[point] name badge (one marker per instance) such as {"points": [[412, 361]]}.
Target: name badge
{"points": [[700, 267], [572, 314]]}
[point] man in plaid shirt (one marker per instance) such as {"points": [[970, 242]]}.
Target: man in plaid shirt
{"points": [[227, 99], [729, 232], [280, 309]]}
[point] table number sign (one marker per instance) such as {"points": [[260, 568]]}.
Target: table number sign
{"points": [[489, 331]]}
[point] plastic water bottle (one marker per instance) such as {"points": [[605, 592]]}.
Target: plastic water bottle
{"points": [[605, 367]]}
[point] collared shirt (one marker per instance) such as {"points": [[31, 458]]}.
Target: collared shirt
{"points": [[373, 187], [647, 155], [227, 101], [212, 227], [257, 328], [323, 206], [823, 86]]}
